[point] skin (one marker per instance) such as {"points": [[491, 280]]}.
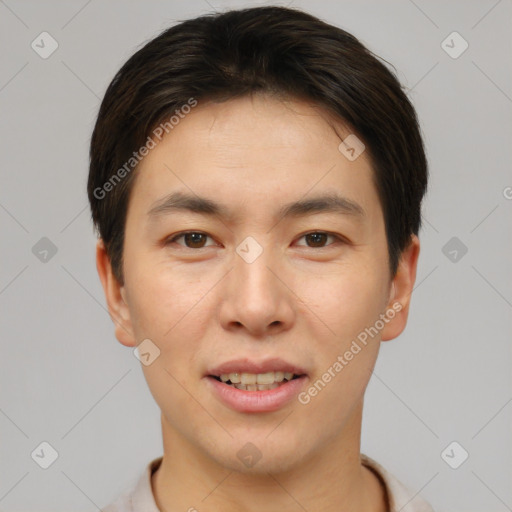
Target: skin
{"points": [[301, 300]]}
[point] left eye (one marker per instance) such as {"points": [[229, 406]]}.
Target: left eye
{"points": [[318, 238], [195, 238]]}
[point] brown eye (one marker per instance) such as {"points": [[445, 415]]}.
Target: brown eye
{"points": [[193, 239], [317, 239]]}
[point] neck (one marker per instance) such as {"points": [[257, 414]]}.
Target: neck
{"points": [[332, 479]]}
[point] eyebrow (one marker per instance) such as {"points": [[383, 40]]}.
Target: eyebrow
{"points": [[326, 203]]}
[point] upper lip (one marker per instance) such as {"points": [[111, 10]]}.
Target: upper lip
{"points": [[246, 365]]}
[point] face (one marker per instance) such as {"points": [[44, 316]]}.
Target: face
{"points": [[248, 268]]}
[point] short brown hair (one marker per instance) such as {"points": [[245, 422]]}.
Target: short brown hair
{"points": [[264, 49]]}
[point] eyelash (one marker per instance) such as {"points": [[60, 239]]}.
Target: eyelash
{"points": [[183, 234]]}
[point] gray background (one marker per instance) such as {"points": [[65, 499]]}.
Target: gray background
{"points": [[67, 381]]}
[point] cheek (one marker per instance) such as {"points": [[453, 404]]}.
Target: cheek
{"points": [[345, 353], [348, 303], [166, 304], [169, 310], [344, 302]]}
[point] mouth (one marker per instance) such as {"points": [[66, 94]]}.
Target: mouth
{"points": [[254, 386], [250, 386], [256, 381]]}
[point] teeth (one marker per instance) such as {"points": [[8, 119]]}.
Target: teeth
{"points": [[265, 378], [256, 387], [248, 378], [263, 387], [255, 382]]}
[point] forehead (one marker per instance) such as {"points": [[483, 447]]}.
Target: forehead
{"points": [[254, 151]]}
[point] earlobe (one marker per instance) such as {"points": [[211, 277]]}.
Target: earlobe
{"points": [[115, 296], [397, 309]]}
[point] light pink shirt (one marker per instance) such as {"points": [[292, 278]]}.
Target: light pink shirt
{"points": [[140, 497]]}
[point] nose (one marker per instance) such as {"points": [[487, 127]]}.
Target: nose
{"points": [[256, 297]]}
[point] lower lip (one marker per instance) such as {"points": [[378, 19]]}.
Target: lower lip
{"points": [[256, 401]]}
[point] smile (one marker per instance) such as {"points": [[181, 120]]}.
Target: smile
{"points": [[256, 398], [256, 381]]}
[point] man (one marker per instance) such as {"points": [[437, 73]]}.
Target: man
{"points": [[256, 180]]}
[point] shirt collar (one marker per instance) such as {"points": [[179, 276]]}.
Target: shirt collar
{"points": [[399, 497]]}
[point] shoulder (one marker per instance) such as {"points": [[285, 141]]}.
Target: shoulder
{"points": [[121, 504], [139, 496], [400, 497]]}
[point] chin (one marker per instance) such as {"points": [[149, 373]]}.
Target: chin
{"points": [[259, 456]]}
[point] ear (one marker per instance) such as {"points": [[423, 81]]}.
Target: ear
{"points": [[115, 296], [401, 290]]}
